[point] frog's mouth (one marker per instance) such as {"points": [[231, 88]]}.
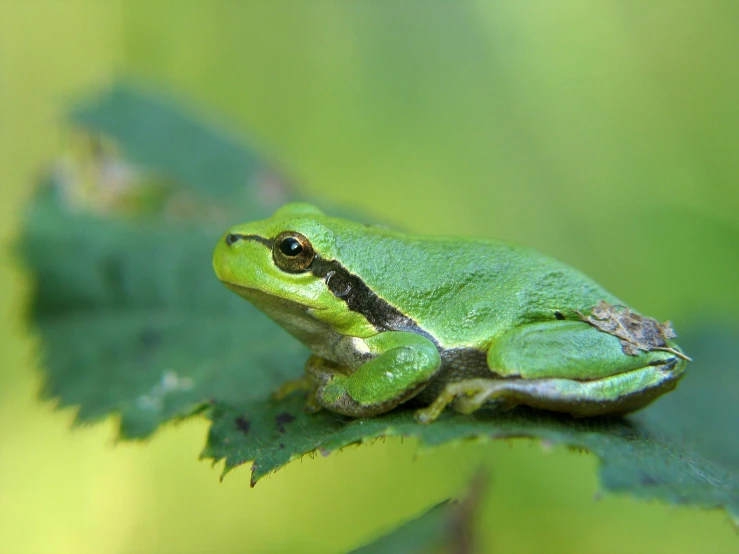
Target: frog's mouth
{"points": [[263, 300]]}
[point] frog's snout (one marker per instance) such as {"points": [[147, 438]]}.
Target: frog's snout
{"points": [[218, 261], [223, 256], [233, 259]]}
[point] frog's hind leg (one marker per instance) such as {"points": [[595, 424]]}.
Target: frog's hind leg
{"points": [[529, 364], [618, 394]]}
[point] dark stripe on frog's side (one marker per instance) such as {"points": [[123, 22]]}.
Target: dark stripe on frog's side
{"points": [[361, 299]]}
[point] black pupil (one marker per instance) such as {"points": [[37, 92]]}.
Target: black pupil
{"points": [[291, 246]]}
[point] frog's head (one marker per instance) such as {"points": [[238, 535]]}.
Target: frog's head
{"points": [[279, 264]]}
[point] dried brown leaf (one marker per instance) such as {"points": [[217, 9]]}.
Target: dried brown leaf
{"points": [[637, 332]]}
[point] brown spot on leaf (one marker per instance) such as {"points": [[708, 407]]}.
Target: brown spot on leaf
{"points": [[636, 331], [649, 481], [253, 481], [243, 424], [283, 419]]}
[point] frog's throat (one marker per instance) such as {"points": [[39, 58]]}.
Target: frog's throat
{"points": [[258, 296], [356, 294]]}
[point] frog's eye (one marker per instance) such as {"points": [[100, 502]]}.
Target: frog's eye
{"points": [[292, 252]]}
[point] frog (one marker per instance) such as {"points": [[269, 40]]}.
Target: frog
{"points": [[394, 318]]}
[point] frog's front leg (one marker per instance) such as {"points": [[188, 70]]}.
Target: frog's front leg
{"points": [[401, 365], [565, 367]]}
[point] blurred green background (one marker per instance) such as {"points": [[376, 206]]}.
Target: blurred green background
{"points": [[604, 134]]}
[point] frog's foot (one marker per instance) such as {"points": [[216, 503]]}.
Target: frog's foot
{"points": [[616, 395], [329, 388], [475, 387], [304, 383]]}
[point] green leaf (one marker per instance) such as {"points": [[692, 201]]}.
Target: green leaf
{"points": [[448, 527], [703, 415], [133, 322], [424, 534]]}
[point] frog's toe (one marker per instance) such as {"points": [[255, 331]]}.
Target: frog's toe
{"points": [[304, 383], [469, 387], [424, 417]]}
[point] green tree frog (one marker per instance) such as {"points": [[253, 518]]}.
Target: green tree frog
{"points": [[390, 317]]}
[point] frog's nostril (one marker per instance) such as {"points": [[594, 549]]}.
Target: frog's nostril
{"points": [[230, 239]]}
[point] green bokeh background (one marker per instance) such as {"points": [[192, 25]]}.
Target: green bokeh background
{"points": [[604, 133]]}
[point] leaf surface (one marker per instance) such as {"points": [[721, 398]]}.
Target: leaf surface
{"points": [[133, 322]]}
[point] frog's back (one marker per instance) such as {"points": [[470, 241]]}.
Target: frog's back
{"points": [[465, 292]]}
